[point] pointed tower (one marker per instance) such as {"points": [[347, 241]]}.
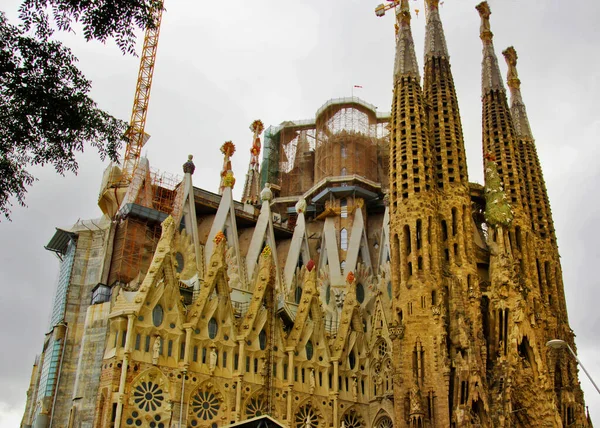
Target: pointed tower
{"points": [[416, 277], [498, 132], [456, 226], [537, 196], [252, 185], [545, 269]]}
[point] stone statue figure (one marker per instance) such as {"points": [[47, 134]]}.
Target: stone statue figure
{"points": [[212, 360], [307, 422], [311, 381], [156, 350], [343, 425], [354, 388]]}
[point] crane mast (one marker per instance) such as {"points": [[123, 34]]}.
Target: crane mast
{"points": [[135, 133]]}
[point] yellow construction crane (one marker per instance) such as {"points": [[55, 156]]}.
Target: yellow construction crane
{"points": [[135, 133], [383, 8]]}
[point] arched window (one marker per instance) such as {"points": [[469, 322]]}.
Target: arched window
{"points": [[157, 315], [213, 328], [262, 339], [343, 151], [328, 294], [309, 350], [352, 360], [360, 292], [298, 294], [344, 239], [343, 172]]}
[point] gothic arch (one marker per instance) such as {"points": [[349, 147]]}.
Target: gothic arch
{"points": [[206, 406], [149, 401], [383, 420]]}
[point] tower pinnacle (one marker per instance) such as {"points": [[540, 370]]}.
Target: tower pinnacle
{"points": [[406, 59], [517, 107], [491, 79], [435, 41]]}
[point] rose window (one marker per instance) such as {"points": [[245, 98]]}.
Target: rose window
{"points": [[257, 406], [148, 396], [385, 422], [205, 406], [353, 420], [307, 417]]}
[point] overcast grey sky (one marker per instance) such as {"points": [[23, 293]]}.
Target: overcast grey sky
{"points": [[223, 64]]}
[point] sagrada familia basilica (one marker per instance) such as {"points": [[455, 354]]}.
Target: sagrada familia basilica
{"points": [[362, 281]]}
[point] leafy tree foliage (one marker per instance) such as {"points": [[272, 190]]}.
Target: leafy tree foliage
{"points": [[101, 19], [46, 115]]}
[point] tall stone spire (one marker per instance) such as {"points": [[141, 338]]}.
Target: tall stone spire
{"points": [[417, 273], [499, 137], [446, 135], [490, 77], [406, 59], [410, 152], [517, 106], [537, 196], [435, 41]]}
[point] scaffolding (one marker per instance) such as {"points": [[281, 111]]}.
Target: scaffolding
{"points": [[297, 157], [346, 140], [139, 228], [347, 137], [135, 242]]}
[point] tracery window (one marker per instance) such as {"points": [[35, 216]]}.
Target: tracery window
{"points": [[385, 422], [257, 406], [148, 398], [353, 420], [205, 406], [306, 417], [382, 348]]}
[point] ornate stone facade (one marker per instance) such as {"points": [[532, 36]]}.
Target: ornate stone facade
{"points": [[403, 296]]}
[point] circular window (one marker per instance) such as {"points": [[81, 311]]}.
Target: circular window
{"points": [[180, 262], [257, 406], [148, 396], [328, 294], [157, 315], [205, 405], [360, 292], [213, 328], [309, 350], [262, 340]]}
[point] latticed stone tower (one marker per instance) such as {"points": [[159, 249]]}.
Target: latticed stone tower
{"points": [[473, 310]]}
